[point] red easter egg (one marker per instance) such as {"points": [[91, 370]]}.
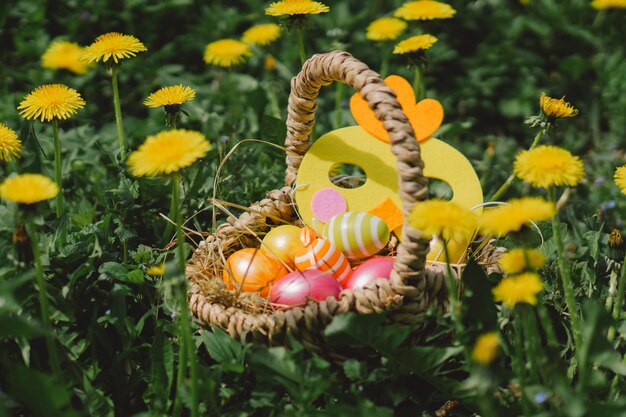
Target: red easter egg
{"points": [[252, 270], [284, 243], [368, 271], [297, 286]]}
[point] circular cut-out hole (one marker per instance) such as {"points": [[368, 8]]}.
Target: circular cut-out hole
{"points": [[439, 189], [347, 175]]}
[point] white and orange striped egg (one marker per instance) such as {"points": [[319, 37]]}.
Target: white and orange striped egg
{"points": [[357, 234], [322, 255]]}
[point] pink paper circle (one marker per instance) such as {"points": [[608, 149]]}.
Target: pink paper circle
{"points": [[327, 203]]}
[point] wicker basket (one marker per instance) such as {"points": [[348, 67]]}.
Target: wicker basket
{"points": [[412, 289]]}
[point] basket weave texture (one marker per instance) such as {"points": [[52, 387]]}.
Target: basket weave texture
{"points": [[412, 288]]}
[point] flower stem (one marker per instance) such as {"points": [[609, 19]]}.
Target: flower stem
{"points": [[568, 289], [621, 288], [418, 83], [43, 300], [58, 175], [518, 363], [184, 319], [301, 44], [548, 328], [531, 339], [118, 112], [384, 66], [455, 306], [504, 187]]}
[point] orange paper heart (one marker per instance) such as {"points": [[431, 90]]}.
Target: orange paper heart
{"points": [[425, 116]]}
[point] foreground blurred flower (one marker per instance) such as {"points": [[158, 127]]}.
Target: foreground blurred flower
{"points": [[424, 10], [168, 152], [156, 270], [517, 289], [226, 52], [415, 44], [608, 4], [28, 188], [443, 219], [10, 145], [50, 102], [548, 166], [556, 107], [113, 45], [65, 55], [620, 178], [385, 29], [262, 34], [516, 214], [486, 348], [296, 7], [521, 260]]}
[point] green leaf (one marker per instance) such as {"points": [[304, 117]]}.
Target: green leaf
{"points": [[222, 347], [366, 330], [479, 310]]}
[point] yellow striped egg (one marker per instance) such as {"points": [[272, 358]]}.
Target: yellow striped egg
{"points": [[322, 255], [357, 234]]}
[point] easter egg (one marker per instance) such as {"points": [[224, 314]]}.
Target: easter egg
{"points": [[320, 254], [368, 271], [357, 234], [297, 286], [283, 242], [252, 270]]}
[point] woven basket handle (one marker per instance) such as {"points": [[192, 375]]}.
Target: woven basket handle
{"points": [[322, 70]]}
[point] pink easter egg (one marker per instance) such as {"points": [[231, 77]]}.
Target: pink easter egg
{"points": [[368, 271], [297, 286]]}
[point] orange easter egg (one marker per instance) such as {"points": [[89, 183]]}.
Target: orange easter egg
{"points": [[284, 243], [252, 270], [322, 255]]}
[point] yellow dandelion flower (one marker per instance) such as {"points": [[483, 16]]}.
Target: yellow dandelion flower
{"points": [[263, 34], [556, 107], [156, 270], [521, 260], [296, 7], [620, 178], [270, 63], [522, 288], [51, 101], [385, 29], [424, 10], [414, 44], [28, 188], [168, 152], [486, 348], [10, 145], [548, 166], [65, 55], [443, 218], [226, 52], [113, 45], [174, 95], [516, 214], [608, 4]]}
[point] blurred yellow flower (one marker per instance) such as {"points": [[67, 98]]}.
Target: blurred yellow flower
{"points": [[556, 107], [263, 34], [51, 101], [10, 145], [517, 289], [174, 95], [385, 29], [548, 166], [226, 52], [424, 10], [608, 4], [620, 178], [296, 7], [414, 44], [443, 218], [521, 260], [270, 63], [113, 45], [168, 152], [513, 216], [486, 348], [28, 188], [156, 270], [65, 55]]}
